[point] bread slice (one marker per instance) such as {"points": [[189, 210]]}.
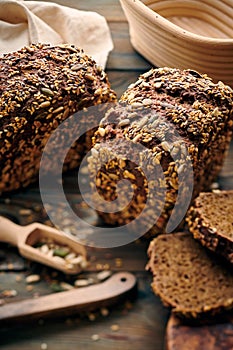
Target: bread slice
{"points": [[188, 278], [210, 220]]}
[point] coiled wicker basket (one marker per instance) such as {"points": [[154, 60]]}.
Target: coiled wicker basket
{"points": [[195, 34]]}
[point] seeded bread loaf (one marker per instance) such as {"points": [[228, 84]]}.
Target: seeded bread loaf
{"points": [[42, 85], [177, 117], [210, 220], [188, 278]]}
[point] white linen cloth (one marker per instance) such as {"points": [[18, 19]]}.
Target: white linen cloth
{"points": [[26, 22]]}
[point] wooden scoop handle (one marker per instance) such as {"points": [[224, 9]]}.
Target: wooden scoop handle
{"points": [[11, 232], [70, 302]]}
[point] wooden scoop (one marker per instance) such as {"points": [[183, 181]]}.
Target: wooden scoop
{"points": [[27, 237]]}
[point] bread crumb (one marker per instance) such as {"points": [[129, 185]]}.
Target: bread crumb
{"points": [[104, 311], [29, 287], [18, 278], [118, 262], [95, 337], [115, 327], [91, 317]]}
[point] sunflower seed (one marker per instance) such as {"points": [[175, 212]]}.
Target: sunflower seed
{"points": [[81, 283], [124, 122], [103, 275], [32, 278]]}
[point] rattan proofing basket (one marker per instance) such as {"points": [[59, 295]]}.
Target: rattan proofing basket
{"points": [[195, 34]]}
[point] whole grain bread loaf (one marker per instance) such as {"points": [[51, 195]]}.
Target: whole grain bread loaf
{"points": [[189, 278], [41, 86], [178, 117], [210, 220]]}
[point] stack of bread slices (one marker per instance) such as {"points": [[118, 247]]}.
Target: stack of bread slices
{"points": [[193, 275]]}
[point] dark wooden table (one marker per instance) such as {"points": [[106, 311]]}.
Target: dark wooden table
{"points": [[136, 324]]}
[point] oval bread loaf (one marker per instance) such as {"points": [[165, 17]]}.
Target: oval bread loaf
{"points": [[177, 117], [40, 86]]}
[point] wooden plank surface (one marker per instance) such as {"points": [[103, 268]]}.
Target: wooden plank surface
{"points": [[136, 324], [110, 9]]}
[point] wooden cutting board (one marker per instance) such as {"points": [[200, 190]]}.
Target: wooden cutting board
{"points": [[180, 336]]}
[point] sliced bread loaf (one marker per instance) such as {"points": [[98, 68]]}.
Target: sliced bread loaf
{"points": [[210, 220], [188, 278], [164, 121]]}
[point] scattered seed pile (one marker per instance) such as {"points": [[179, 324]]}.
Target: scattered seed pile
{"points": [[210, 220], [187, 278], [41, 86], [176, 116]]}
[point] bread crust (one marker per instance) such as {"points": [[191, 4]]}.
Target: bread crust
{"points": [[205, 230], [181, 336]]}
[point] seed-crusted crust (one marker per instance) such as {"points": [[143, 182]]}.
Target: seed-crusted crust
{"points": [[216, 336], [162, 104], [42, 85], [187, 278], [201, 220]]}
